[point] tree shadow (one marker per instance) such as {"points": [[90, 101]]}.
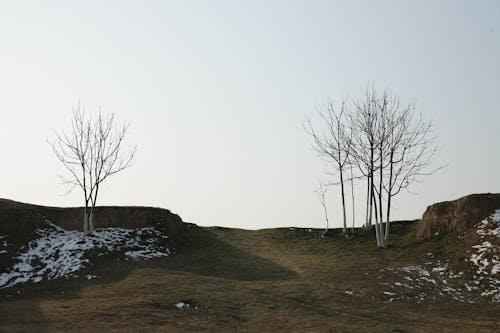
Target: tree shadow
{"points": [[22, 315], [200, 251]]}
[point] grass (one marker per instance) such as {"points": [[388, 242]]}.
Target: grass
{"points": [[249, 281]]}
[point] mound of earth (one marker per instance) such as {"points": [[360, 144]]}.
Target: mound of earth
{"points": [[58, 253], [458, 215], [42, 243], [20, 220], [474, 222]]}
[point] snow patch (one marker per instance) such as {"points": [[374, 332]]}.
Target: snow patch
{"points": [[3, 244], [486, 256], [440, 281], [59, 253], [185, 305]]}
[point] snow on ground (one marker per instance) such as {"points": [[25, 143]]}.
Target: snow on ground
{"points": [[58, 253], [415, 282], [3, 244], [185, 305], [486, 256], [438, 280]]}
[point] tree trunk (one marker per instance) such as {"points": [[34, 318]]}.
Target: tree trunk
{"points": [[93, 202], [343, 200], [380, 204], [371, 187], [353, 206], [377, 225], [387, 222], [389, 196], [326, 217], [91, 222], [367, 225], [85, 222]]}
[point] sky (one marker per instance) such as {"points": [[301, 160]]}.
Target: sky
{"points": [[215, 92]]}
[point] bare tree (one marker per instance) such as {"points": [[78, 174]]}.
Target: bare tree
{"points": [[332, 143], [364, 122], [321, 190], [392, 149], [91, 151], [385, 141], [411, 150], [351, 166]]}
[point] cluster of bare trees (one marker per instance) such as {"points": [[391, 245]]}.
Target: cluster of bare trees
{"points": [[375, 139], [379, 140], [91, 152]]}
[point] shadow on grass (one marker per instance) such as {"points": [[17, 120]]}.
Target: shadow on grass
{"points": [[22, 316], [201, 252]]}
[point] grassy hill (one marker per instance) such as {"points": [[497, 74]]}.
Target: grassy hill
{"points": [[287, 279]]}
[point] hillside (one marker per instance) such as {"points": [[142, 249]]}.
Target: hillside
{"points": [[287, 279]]}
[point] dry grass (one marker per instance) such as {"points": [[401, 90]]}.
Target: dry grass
{"points": [[256, 281]]}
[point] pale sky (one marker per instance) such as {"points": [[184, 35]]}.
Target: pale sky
{"points": [[215, 92]]}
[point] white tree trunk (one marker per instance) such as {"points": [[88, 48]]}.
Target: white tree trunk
{"points": [[91, 223], [85, 222]]}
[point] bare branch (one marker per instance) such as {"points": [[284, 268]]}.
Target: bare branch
{"points": [[92, 152]]}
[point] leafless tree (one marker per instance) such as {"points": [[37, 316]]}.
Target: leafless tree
{"points": [[332, 143], [392, 148], [91, 151], [364, 122], [411, 150], [385, 141], [321, 190], [352, 197]]}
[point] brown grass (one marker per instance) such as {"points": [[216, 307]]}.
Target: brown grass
{"points": [[275, 280]]}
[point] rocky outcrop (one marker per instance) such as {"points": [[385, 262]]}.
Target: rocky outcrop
{"points": [[458, 215]]}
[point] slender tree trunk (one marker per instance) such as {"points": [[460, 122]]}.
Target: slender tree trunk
{"points": [[367, 202], [85, 221], [387, 223], [93, 202], [326, 217], [389, 197], [380, 203], [377, 225], [371, 187], [343, 199], [91, 222], [352, 197]]}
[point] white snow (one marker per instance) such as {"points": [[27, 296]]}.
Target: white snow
{"points": [[443, 282], [58, 253], [3, 243], [181, 305], [495, 217], [486, 256], [439, 269], [185, 305], [434, 276]]}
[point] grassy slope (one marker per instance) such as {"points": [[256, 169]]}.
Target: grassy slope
{"points": [[266, 280]]}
